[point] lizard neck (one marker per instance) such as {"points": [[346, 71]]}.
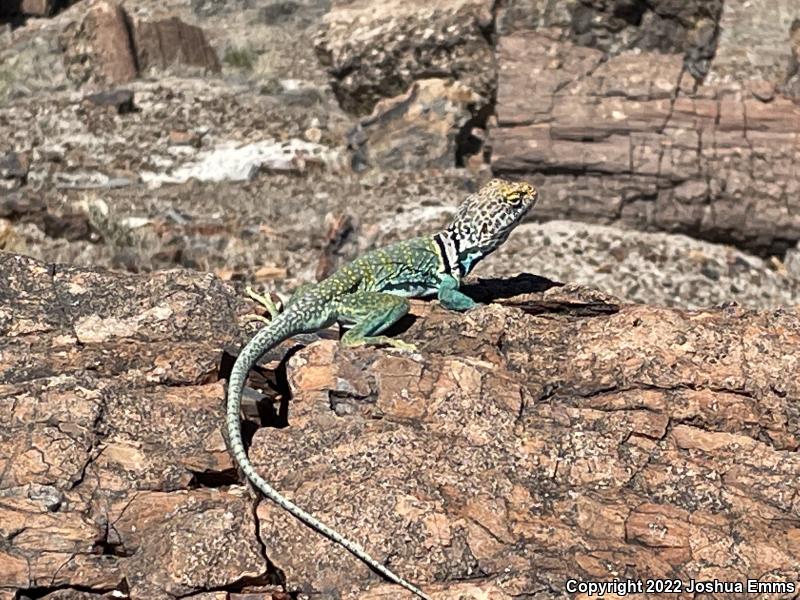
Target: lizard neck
{"points": [[454, 260]]}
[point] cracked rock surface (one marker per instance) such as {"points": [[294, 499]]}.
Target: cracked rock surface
{"points": [[554, 432], [109, 410], [630, 137]]}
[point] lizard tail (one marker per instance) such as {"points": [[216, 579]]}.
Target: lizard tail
{"points": [[281, 328]]}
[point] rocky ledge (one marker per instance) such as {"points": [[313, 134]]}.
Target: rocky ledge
{"points": [[553, 433]]}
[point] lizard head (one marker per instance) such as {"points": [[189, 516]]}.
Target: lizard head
{"points": [[486, 218]]}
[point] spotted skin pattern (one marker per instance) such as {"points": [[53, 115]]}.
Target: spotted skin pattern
{"points": [[371, 294]]}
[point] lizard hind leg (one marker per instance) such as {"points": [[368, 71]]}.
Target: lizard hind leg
{"points": [[274, 308], [372, 313]]}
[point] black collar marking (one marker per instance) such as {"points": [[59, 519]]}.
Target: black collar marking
{"points": [[449, 259]]}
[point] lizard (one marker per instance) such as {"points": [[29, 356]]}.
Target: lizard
{"points": [[371, 294]]}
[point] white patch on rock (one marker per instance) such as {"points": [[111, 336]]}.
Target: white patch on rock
{"points": [[233, 162]]}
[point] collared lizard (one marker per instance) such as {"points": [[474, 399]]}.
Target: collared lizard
{"points": [[371, 293]]}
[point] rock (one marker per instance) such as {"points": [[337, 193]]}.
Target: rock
{"points": [[121, 100], [234, 162], [14, 9], [30, 63], [216, 8], [185, 138], [10, 240], [483, 468], [13, 170], [791, 86], [416, 130], [586, 453], [170, 45], [98, 49], [647, 267], [375, 50], [753, 40], [624, 139], [689, 28], [114, 470], [71, 226], [38, 8], [21, 206], [278, 11]]}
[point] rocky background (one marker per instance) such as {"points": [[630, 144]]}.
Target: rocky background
{"points": [[267, 140], [193, 146]]}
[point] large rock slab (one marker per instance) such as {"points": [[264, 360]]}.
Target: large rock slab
{"points": [[630, 139], [552, 434], [171, 45], [562, 437]]}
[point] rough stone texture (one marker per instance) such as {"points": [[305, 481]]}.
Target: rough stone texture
{"points": [[37, 8], [627, 139], [13, 9], [168, 44], [754, 40], [416, 130], [653, 268], [98, 48], [688, 27], [641, 443], [375, 50], [30, 62], [109, 435], [552, 434]]}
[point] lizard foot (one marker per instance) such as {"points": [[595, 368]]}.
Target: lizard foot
{"points": [[401, 345], [254, 317], [272, 308], [379, 340]]}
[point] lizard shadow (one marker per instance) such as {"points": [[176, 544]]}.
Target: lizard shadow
{"points": [[501, 288], [268, 391], [486, 291]]}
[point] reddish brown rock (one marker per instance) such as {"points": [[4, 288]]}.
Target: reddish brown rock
{"points": [[171, 44], [112, 459], [550, 434], [627, 140], [98, 48], [538, 447]]}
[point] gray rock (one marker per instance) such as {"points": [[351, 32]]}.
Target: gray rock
{"points": [[122, 100], [375, 50], [13, 166]]}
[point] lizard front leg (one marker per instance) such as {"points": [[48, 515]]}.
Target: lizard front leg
{"points": [[372, 313], [451, 298]]}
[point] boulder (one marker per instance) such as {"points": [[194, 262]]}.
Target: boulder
{"points": [[376, 50], [416, 130], [97, 48], [108, 481], [552, 434], [172, 45]]}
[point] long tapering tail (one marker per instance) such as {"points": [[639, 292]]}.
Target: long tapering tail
{"points": [[283, 327]]}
